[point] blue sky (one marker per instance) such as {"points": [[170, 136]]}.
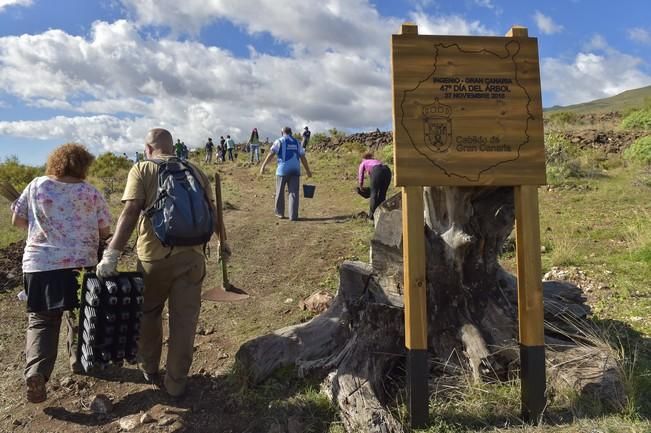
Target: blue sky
{"points": [[103, 72]]}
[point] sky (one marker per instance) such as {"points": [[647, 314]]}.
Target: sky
{"points": [[103, 72]]}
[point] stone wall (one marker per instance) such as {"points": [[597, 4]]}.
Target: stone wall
{"points": [[371, 140]]}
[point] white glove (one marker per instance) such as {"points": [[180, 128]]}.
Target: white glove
{"points": [[107, 267]]}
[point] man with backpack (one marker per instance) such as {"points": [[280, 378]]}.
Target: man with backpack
{"points": [[290, 155], [170, 246]]}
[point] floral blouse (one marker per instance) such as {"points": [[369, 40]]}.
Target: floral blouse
{"points": [[64, 223]]}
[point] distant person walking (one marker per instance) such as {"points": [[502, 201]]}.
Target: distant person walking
{"points": [[230, 145], [65, 218], [290, 155], [380, 179], [254, 143], [222, 149], [306, 137], [209, 149], [178, 149]]}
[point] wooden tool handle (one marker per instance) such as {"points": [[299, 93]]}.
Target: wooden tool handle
{"points": [[220, 208]]}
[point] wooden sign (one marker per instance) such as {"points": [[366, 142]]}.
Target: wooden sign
{"points": [[467, 110]]}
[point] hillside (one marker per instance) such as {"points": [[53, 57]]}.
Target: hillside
{"points": [[606, 253], [621, 103]]}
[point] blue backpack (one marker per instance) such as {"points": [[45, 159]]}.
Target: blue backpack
{"points": [[182, 214]]}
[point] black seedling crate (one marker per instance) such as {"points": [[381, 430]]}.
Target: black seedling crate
{"points": [[109, 320]]}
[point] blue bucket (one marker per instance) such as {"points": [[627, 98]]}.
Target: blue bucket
{"points": [[308, 190]]}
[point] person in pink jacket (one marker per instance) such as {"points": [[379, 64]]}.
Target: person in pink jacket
{"points": [[379, 176]]}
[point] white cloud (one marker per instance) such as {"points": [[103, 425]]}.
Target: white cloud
{"points": [[120, 83], [6, 3], [485, 4], [342, 25], [98, 132], [640, 35], [196, 90], [591, 75], [546, 24], [597, 42], [489, 4]]}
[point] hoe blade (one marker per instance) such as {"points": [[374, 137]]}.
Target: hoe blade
{"points": [[221, 295]]}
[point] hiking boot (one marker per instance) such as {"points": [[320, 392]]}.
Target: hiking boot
{"points": [[36, 392]]}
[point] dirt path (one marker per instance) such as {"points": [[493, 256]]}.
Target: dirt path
{"points": [[277, 261]]}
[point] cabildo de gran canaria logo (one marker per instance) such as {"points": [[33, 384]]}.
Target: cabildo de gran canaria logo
{"points": [[437, 125]]}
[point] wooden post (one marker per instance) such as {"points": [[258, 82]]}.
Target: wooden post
{"points": [[415, 300], [530, 303], [219, 205], [517, 32]]}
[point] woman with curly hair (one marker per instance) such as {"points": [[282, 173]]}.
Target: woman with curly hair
{"points": [[65, 218]]}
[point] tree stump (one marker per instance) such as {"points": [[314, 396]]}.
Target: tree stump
{"points": [[358, 343]]}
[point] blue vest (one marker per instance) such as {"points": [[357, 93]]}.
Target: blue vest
{"points": [[289, 163]]}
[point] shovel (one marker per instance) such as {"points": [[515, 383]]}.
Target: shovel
{"points": [[8, 191], [228, 292]]}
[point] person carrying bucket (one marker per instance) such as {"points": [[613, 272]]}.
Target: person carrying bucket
{"points": [[380, 179], [290, 155]]}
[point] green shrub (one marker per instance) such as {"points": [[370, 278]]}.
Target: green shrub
{"points": [[354, 147], [112, 170], [563, 118], [640, 150], [558, 149], [565, 160], [335, 133], [638, 119], [385, 154], [318, 137], [17, 174]]}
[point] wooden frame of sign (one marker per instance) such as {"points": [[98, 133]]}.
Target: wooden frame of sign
{"points": [[467, 111]]}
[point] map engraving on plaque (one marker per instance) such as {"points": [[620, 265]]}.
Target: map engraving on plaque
{"points": [[457, 110]]}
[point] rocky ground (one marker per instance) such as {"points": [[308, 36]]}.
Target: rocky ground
{"points": [[609, 141]]}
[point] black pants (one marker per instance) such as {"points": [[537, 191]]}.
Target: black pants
{"points": [[230, 154], [380, 181]]}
